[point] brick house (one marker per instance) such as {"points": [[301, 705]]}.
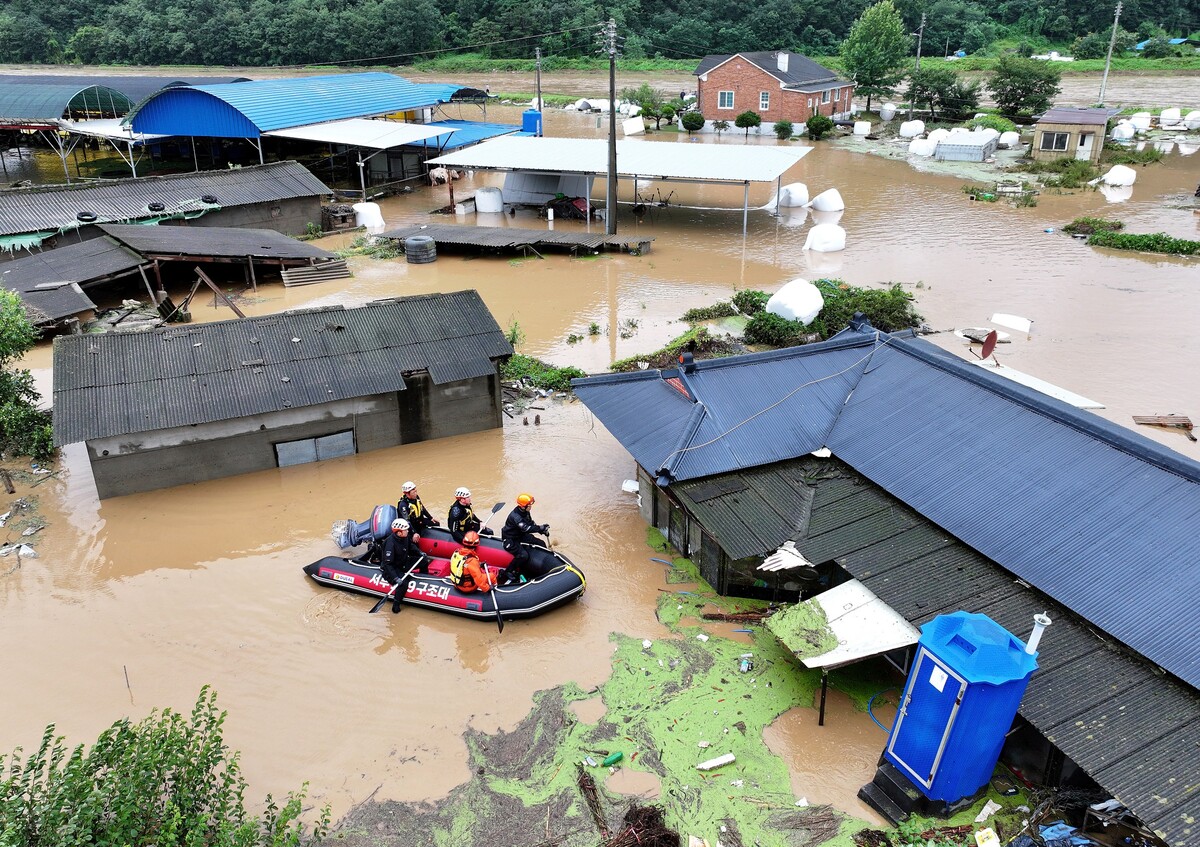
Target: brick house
{"points": [[776, 84]]}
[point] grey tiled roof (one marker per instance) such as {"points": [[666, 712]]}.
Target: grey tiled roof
{"points": [[94, 259], [222, 241], [802, 71], [119, 384], [50, 208]]}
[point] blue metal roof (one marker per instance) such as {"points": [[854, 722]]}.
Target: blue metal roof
{"points": [[470, 132], [1141, 45], [1097, 516], [247, 109]]}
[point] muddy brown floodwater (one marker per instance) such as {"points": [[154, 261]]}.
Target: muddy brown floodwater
{"points": [[202, 584]]}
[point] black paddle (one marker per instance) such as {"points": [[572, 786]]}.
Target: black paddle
{"points": [[495, 604], [392, 593]]}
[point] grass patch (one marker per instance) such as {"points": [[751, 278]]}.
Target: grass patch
{"points": [[1129, 156], [476, 63], [372, 248], [697, 340], [888, 309], [721, 309], [1061, 173], [537, 373], [1155, 242], [1086, 226]]}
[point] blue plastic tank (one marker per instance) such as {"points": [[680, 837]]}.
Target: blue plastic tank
{"points": [[531, 121], [962, 694]]}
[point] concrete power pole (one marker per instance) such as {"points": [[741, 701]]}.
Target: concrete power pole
{"points": [[537, 52], [920, 33], [1108, 59], [609, 38]]}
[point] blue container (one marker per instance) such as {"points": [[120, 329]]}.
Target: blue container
{"points": [[531, 121], [962, 694]]}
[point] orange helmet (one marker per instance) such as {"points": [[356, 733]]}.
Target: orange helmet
{"points": [[471, 539], [524, 500]]}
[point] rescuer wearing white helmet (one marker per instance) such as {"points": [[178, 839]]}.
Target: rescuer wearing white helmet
{"points": [[413, 510], [461, 519], [399, 555]]}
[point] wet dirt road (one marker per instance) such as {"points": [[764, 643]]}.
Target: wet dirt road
{"points": [[202, 584]]}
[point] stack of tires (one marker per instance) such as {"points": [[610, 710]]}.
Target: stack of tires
{"points": [[420, 250]]}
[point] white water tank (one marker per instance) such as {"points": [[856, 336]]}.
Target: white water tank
{"points": [[923, 147], [1140, 121], [862, 127], [1120, 175], [825, 238], [1192, 119], [1009, 139], [489, 200], [1167, 117], [887, 111], [798, 300], [911, 129], [793, 194], [1123, 131], [828, 201], [368, 215]]}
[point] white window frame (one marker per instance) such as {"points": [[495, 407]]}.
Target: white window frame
{"points": [[764, 101], [721, 99], [825, 96]]}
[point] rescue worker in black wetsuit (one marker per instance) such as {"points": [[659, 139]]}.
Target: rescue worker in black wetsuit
{"points": [[413, 510], [518, 531], [397, 555], [461, 519]]}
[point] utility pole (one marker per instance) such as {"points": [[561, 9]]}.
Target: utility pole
{"points": [[537, 52], [608, 36], [1108, 59], [912, 101]]}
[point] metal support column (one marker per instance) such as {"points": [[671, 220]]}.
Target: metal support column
{"points": [[745, 210]]}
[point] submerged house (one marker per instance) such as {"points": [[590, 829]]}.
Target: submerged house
{"points": [[196, 402], [943, 487]]}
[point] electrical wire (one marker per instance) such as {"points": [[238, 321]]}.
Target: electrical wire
{"points": [[871, 703]]}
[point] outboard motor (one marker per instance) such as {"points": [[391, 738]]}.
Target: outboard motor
{"points": [[350, 533]]}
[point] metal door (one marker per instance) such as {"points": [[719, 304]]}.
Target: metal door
{"points": [[1084, 150], [927, 711]]}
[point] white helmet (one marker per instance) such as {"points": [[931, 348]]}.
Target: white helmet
{"points": [[462, 491], [408, 486], [399, 523]]}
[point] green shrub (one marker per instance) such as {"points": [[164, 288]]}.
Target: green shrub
{"points": [[1128, 156], [25, 429], [167, 780], [722, 309], [1062, 173], [1086, 226], [888, 309], [769, 328], [783, 130], [817, 126], [1157, 242], [692, 121], [750, 302], [993, 122], [538, 374]]}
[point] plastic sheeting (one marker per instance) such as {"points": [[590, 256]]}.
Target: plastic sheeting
{"points": [[1141, 121], [797, 300], [1169, 116], [828, 201], [1123, 131], [862, 127], [826, 238], [911, 129], [368, 215], [793, 194], [1192, 119]]}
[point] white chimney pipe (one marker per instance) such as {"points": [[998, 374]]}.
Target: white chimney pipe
{"points": [[1040, 622], [782, 60]]}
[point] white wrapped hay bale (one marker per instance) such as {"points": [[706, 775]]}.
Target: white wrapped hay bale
{"points": [[828, 201], [862, 127], [1009, 140], [911, 129], [793, 194], [937, 135], [987, 132], [1169, 117], [1140, 121], [826, 238], [1192, 119], [1123, 131], [923, 147], [1116, 193], [1120, 175], [489, 200], [798, 300], [829, 217], [887, 111], [368, 215]]}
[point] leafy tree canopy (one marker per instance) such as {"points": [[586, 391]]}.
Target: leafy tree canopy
{"points": [[1024, 86], [876, 51]]}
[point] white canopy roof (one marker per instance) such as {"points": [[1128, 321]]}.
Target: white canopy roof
{"points": [[109, 128], [681, 160], [862, 623], [361, 132]]}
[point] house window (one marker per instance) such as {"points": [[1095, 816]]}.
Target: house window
{"points": [[314, 449], [825, 96], [724, 99], [764, 101], [1055, 140]]}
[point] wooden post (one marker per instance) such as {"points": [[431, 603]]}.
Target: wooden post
{"points": [[220, 294], [824, 689], [153, 300], [253, 279]]}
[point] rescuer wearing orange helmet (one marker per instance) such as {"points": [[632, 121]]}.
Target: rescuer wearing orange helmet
{"points": [[518, 532], [466, 571]]}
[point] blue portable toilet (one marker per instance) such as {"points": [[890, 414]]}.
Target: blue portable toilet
{"points": [[531, 121], [966, 682]]}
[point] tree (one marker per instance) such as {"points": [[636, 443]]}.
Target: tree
{"points": [[747, 121], [1024, 86], [1159, 47], [818, 125], [24, 428], [930, 86], [876, 51], [783, 130], [719, 127], [962, 100], [692, 121], [1094, 45]]}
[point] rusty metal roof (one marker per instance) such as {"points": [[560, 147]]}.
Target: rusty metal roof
{"points": [[50, 281], [54, 208], [118, 384], [215, 241]]}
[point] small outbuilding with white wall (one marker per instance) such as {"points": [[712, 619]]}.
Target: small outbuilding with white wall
{"points": [[1070, 134]]}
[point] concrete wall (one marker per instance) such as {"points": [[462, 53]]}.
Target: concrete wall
{"points": [[164, 458], [1073, 132], [291, 216], [748, 81]]}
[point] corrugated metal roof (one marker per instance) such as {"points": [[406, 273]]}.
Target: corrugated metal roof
{"points": [[1081, 117], [134, 87], [23, 103], [1072, 500], [361, 132], [461, 134], [88, 261], [650, 159], [1131, 728], [247, 109], [51, 208], [116, 384], [230, 242]]}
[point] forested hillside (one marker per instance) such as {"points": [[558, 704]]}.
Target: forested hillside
{"points": [[279, 32]]}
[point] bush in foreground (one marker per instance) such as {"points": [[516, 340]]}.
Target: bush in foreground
{"points": [[538, 374]]}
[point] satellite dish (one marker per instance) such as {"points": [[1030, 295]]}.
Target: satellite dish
{"points": [[989, 344]]}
